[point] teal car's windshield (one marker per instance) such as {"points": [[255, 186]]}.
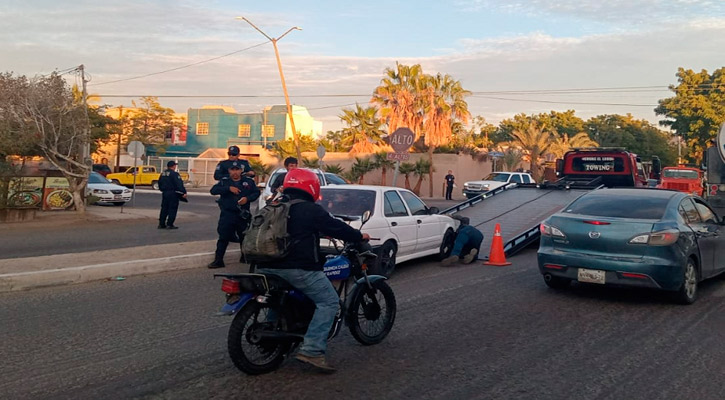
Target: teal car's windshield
{"points": [[635, 207]]}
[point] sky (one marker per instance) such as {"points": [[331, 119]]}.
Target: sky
{"points": [[517, 56]]}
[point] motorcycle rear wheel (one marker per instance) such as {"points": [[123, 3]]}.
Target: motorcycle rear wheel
{"points": [[369, 322], [250, 352]]}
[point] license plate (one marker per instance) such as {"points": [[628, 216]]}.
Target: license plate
{"points": [[591, 276], [117, 197]]}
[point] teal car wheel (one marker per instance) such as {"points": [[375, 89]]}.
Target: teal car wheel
{"points": [[688, 292]]}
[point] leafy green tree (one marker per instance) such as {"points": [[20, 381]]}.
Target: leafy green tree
{"points": [[261, 170], [697, 110], [511, 159], [637, 136], [406, 169], [558, 123], [151, 121], [311, 162], [286, 148], [333, 141], [420, 169], [562, 144]]}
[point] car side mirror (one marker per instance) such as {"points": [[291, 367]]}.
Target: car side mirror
{"points": [[433, 210]]}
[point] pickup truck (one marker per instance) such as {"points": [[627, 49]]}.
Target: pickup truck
{"points": [[683, 179], [495, 180], [148, 175]]}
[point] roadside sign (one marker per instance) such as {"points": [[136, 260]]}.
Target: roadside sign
{"points": [[401, 140], [495, 154], [721, 142], [135, 149], [398, 156], [320, 151]]}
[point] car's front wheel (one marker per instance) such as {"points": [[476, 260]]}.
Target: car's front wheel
{"points": [[449, 238], [688, 291]]}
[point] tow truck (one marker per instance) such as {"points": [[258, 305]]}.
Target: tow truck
{"points": [[588, 168]]}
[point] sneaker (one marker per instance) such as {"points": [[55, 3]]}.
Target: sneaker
{"points": [[449, 260], [468, 258], [317, 362], [172, 227], [161, 227], [216, 264]]}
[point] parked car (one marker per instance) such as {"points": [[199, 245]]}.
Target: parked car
{"points": [[650, 238], [684, 179], [102, 169], [145, 175], [107, 191], [493, 181], [266, 187], [335, 179], [402, 225]]}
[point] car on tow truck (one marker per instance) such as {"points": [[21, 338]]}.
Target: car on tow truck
{"points": [[648, 238], [493, 181]]}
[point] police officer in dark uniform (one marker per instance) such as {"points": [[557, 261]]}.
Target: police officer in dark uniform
{"points": [[222, 169], [236, 192], [172, 188]]}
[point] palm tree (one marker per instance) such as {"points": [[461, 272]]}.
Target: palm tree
{"points": [[534, 141], [363, 128], [352, 175], [406, 169], [561, 145], [421, 168], [512, 158], [444, 108], [382, 162], [261, 170], [334, 168], [310, 162], [362, 166], [398, 97]]}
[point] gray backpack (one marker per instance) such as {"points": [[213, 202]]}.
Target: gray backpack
{"points": [[266, 238]]}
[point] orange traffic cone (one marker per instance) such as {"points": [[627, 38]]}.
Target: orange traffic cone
{"points": [[497, 257]]}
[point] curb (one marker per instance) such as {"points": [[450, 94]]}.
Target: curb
{"points": [[88, 273]]}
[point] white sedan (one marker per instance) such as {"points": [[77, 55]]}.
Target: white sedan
{"points": [[107, 192], [402, 225]]}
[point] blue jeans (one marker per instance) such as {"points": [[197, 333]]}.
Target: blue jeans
{"points": [[316, 286], [467, 239]]}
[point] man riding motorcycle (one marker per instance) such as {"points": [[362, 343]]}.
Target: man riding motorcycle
{"points": [[302, 267]]}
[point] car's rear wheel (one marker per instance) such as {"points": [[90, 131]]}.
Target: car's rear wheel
{"points": [[688, 291], [556, 282], [385, 263], [155, 185]]}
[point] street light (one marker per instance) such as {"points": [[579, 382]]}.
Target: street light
{"points": [[281, 77]]}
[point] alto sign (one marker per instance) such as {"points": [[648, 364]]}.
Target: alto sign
{"points": [[401, 140]]}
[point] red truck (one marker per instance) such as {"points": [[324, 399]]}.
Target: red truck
{"points": [[683, 179], [596, 166]]}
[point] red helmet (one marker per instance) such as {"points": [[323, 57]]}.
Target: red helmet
{"points": [[304, 180]]}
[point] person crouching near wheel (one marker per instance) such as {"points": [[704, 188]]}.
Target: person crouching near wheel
{"points": [[302, 267], [467, 244]]}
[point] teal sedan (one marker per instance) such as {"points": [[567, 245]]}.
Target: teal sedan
{"points": [[648, 238]]}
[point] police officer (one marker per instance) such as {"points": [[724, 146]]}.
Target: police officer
{"points": [[172, 188], [222, 169], [236, 192]]}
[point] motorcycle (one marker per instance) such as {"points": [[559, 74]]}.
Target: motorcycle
{"points": [[272, 316]]}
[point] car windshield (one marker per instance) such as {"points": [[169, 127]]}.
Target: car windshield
{"points": [[278, 173], [619, 206], [101, 167], [97, 178], [681, 173], [498, 177], [352, 203]]}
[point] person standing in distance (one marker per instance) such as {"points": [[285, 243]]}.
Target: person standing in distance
{"points": [[222, 169], [290, 163], [171, 187], [302, 267], [450, 181], [236, 192]]}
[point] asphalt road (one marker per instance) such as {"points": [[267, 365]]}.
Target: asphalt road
{"points": [[465, 332], [82, 236], [85, 236]]}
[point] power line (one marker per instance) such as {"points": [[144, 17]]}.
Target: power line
{"points": [[566, 102], [178, 68]]}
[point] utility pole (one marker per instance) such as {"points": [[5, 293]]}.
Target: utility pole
{"points": [[118, 145], [86, 143], [295, 136]]}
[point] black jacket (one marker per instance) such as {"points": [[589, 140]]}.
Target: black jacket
{"points": [[228, 200], [170, 181], [307, 221], [222, 169]]}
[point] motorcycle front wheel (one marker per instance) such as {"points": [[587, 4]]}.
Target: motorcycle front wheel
{"points": [[249, 350], [372, 313]]}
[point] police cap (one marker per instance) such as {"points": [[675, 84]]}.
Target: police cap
{"points": [[233, 151]]}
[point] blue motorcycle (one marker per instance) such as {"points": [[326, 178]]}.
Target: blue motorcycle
{"points": [[272, 316]]}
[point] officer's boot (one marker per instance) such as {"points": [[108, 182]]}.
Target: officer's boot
{"points": [[216, 264]]}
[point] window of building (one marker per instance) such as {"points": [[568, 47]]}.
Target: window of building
{"points": [[245, 130], [267, 130], [202, 128]]}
